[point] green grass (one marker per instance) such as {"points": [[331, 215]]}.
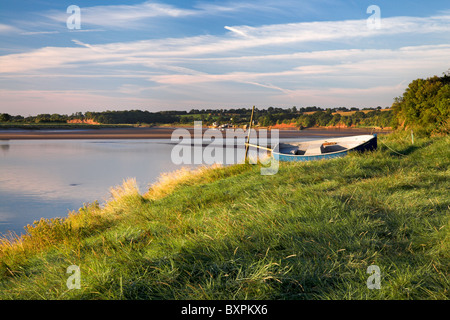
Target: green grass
{"points": [[308, 232]]}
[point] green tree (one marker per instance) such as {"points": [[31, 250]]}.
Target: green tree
{"points": [[335, 119], [425, 103], [5, 117], [348, 121], [324, 118]]}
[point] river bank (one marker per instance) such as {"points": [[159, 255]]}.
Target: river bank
{"points": [[308, 232]]}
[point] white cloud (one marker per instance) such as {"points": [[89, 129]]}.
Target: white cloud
{"points": [[170, 57], [133, 16], [287, 37], [320, 78], [33, 33], [350, 97], [271, 62], [335, 30], [4, 28]]}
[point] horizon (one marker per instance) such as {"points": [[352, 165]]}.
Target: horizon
{"points": [[249, 109], [172, 55]]}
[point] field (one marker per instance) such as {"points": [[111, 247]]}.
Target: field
{"points": [[349, 113], [308, 232]]}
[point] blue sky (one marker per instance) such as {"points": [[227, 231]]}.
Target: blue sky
{"points": [[179, 55]]}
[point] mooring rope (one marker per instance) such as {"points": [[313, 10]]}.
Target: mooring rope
{"points": [[392, 149], [259, 147]]}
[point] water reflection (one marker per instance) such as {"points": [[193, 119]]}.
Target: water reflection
{"points": [[49, 178], [4, 146]]}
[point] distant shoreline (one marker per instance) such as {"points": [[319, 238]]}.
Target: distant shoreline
{"points": [[157, 133]]}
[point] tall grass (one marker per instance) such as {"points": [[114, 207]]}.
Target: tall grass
{"points": [[308, 232]]}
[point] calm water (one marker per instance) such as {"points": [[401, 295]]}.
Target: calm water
{"points": [[49, 178]]}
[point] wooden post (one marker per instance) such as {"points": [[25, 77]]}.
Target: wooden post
{"points": [[412, 137], [248, 136]]}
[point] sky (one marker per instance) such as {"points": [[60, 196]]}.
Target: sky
{"points": [[182, 55]]}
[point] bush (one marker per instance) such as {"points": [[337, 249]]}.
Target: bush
{"points": [[424, 104]]}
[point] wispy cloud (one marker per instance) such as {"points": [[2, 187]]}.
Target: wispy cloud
{"points": [[133, 16], [222, 47], [310, 62], [347, 29], [33, 33], [4, 28], [314, 76]]}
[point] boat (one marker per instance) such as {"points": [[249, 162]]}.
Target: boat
{"points": [[323, 149]]}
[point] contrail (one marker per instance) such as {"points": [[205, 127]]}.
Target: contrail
{"points": [[239, 32]]}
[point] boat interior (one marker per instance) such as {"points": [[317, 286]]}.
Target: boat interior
{"points": [[314, 148]]}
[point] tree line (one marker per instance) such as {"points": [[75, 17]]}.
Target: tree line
{"points": [[302, 117]]}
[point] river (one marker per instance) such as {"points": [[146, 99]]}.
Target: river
{"points": [[49, 178]]}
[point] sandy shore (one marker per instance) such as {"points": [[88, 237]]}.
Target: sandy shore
{"points": [[155, 133]]}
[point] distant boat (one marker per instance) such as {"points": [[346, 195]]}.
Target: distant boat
{"points": [[323, 149]]}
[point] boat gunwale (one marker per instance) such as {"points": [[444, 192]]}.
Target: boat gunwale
{"points": [[374, 136]]}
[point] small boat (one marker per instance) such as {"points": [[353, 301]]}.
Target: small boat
{"points": [[323, 149]]}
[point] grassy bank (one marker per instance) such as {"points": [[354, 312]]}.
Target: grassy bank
{"points": [[308, 232]]}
